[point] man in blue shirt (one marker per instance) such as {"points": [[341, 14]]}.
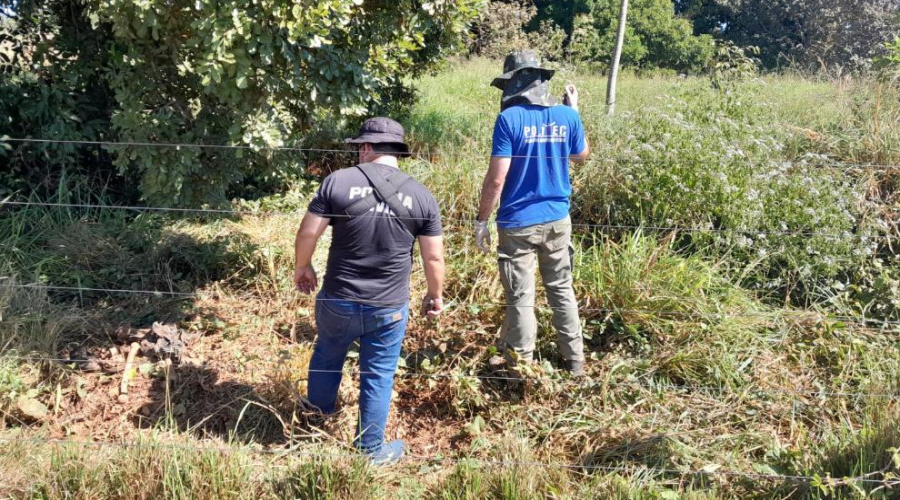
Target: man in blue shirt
{"points": [[534, 140]]}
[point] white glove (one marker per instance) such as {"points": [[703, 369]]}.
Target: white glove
{"points": [[483, 236]]}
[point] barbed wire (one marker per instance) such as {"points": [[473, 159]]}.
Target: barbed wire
{"points": [[746, 232], [425, 152], [800, 315], [824, 478]]}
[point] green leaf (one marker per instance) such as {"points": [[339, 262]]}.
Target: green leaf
{"points": [[476, 426]]}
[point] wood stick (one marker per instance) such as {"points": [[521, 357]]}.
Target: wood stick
{"points": [[132, 353]]}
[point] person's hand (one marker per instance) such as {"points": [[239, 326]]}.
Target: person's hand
{"points": [[305, 280], [571, 97], [432, 306], [483, 236]]}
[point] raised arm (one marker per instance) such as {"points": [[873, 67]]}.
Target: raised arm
{"points": [[571, 100]]}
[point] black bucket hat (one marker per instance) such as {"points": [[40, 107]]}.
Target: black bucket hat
{"points": [[380, 130], [517, 61]]}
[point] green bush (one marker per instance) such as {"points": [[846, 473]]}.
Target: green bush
{"points": [[713, 161], [502, 28], [257, 75], [891, 58], [654, 37]]}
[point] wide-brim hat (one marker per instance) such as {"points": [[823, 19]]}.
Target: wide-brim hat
{"points": [[518, 61], [380, 130]]}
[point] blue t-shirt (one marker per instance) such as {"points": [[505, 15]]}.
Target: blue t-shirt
{"points": [[539, 140]]}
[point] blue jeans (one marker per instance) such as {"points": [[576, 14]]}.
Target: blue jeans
{"points": [[380, 331]]}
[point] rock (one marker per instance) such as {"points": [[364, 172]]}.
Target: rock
{"points": [[113, 366], [32, 408], [167, 341], [123, 398], [89, 365]]}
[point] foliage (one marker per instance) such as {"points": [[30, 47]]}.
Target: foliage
{"points": [[326, 478], [12, 386], [501, 29], [819, 34], [654, 37], [255, 75], [892, 56], [149, 470], [53, 86], [889, 62], [733, 65], [733, 162], [712, 162]]}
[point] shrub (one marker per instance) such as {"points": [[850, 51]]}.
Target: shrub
{"points": [[890, 60], [502, 28], [654, 36], [713, 162], [256, 75]]}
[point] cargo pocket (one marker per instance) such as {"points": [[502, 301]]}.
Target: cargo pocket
{"points": [[508, 278], [571, 256], [329, 322]]}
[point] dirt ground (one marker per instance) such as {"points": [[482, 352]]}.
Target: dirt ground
{"points": [[242, 380]]}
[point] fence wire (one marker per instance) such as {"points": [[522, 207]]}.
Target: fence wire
{"points": [[587, 467], [629, 227], [423, 152], [800, 316]]}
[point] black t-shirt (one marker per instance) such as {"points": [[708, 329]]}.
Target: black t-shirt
{"points": [[370, 258]]}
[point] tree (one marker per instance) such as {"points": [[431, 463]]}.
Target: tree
{"points": [[809, 33], [258, 74], [52, 86], [654, 37]]}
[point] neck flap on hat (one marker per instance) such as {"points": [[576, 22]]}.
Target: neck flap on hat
{"points": [[526, 89]]}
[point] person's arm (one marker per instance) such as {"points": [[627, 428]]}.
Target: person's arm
{"points": [[583, 155], [571, 100], [311, 228], [493, 186], [432, 249]]}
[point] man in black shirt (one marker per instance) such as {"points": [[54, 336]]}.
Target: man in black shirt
{"points": [[377, 213]]}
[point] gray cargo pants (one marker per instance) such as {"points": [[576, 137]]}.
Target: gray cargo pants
{"points": [[517, 248]]}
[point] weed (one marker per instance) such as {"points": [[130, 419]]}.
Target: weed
{"points": [[326, 478]]}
